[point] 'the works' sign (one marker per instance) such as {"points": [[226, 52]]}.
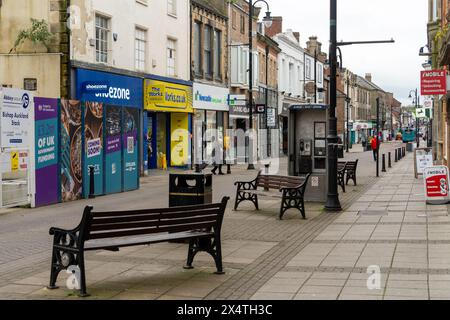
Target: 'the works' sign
{"points": [[433, 82]]}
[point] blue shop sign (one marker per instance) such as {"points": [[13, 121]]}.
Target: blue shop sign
{"points": [[98, 86]]}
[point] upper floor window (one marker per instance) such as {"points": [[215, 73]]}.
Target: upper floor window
{"points": [[308, 69], [172, 7], [217, 53], [207, 52], [102, 35], [140, 46], [319, 73], [242, 24], [171, 57], [234, 20], [197, 47]]}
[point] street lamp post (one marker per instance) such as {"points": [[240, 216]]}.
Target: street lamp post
{"points": [[416, 103], [268, 22], [333, 203]]}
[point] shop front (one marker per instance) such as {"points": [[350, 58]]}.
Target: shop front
{"points": [[210, 120], [167, 122], [361, 131], [108, 114]]}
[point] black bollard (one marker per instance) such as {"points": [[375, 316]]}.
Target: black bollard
{"points": [[383, 166], [400, 153], [389, 160], [91, 183], [396, 155], [404, 151]]}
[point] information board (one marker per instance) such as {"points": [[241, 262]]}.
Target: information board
{"points": [[423, 158]]}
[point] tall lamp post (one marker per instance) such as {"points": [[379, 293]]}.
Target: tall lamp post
{"points": [[333, 203], [267, 22], [416, 103]]}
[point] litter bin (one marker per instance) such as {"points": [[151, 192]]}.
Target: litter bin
{"points": [[340, 151], [186, 189], [409, 147]]}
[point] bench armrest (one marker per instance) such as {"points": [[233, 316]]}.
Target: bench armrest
{"points": [[246, 185], [54, 231], [291, 188]]}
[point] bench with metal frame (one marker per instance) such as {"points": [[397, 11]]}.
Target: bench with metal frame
{"points": [[290, 189], [200, 224]]}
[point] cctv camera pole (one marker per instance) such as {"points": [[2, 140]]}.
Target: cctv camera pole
{"points": [[332, 203]]}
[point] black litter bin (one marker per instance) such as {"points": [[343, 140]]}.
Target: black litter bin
{"points": [[340, 151], [189, 189]]}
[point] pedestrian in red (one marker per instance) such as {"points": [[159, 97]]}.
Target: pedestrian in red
{"points": [[374, 144]]}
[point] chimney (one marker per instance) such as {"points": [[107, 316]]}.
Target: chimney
{"points": [[369, 77], [297, 36], [276, 28], [312, 45]]}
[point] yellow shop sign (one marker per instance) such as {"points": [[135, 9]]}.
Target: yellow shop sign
{"points": [[169, 97]]}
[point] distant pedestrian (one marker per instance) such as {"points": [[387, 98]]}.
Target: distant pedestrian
{"points": [[217, 156], [374, 144]]}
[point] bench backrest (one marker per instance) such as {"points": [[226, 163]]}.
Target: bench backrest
{"points": [[342, 165], [277, 182], [100, 225], [351, 165]]}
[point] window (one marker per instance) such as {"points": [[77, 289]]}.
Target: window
{"points": [[217, 53], [101, 38], [242, 24], [234, 20], [140, 44], [172, 7], [308, 69], [197, 48], [171, 58], [320, 75], [207, 54]]}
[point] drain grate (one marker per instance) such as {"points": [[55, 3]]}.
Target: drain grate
{"points": [[373, 212]]}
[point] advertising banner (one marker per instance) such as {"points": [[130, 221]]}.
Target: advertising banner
{"points": [[93, 137], [130, 148], [15, 120], [113, 150], [166, 96], [179, 124], [436, 184], [71, 150], [433, 82], [46, 151]]}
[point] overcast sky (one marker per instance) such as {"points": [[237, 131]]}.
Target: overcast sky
{"points": [[394, 67]]}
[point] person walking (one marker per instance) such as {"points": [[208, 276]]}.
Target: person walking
{"points": [[374, 144], [217, 156]]}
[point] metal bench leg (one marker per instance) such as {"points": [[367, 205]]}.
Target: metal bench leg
{"points": [[218, 255], [191, 254], [83, 292], [54, 271]]}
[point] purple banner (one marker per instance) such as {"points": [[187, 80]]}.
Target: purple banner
{"points": [[112, 144], [46, 151]]}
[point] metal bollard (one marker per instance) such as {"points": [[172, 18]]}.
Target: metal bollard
{"points": [[91, 183], [383, 167], [389, 160], [404, 151], [396, 155], [400, 153]]}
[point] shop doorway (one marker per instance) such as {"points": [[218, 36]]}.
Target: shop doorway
{"points": [[285, 135]]}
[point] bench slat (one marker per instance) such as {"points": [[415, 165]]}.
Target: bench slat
{"points": [[153, 216], [154, 211], [134, 232], [142, 240], [154, 223]]}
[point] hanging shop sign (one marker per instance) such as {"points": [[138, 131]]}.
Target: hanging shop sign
{"points": [[16, 108], [237, 100], [271, 118], [46, 151], [98, 86], [167, 97], [433, 82], [210, 97], [436, 184]]}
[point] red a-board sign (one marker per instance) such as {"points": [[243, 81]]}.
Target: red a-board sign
{"points": [[433, 82], [436, 183]]}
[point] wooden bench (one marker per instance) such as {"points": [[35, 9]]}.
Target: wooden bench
{"points": [[351, 171], [200, 224], [289, 189]]}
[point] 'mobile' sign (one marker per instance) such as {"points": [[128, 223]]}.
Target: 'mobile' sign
{"points": [[433, 82], [436, 184]]}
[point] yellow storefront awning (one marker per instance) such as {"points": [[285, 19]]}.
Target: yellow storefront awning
{"points": [[167, 97]]}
